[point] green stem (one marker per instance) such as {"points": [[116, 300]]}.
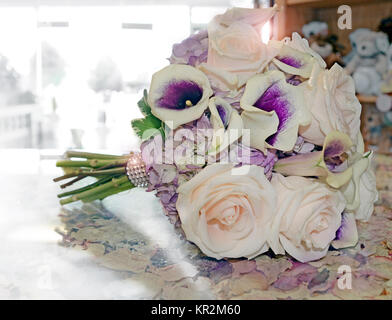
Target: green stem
{"points": [[90, 186], [92, 173], [104, 194], [70, 183], [89, 155], [113, 185], [93, 163]]}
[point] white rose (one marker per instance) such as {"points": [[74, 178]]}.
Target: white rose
{"points": [[331, 100], [308, 216], [235, 51], [226, 211]]}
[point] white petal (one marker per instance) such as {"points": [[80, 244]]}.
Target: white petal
{"points": [[348, 232], [178, 72], [263, 124]]}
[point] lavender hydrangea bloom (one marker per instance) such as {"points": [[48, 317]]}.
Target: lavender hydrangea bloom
{"points": [[166, 175], [246, 155], [192, 51]]}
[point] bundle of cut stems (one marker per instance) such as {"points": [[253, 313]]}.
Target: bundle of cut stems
{"points": [[109, 171]]}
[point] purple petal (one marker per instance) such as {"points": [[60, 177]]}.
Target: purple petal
{"points": [[334, 156], [294, 80], [291, 61], [192, 61], [334, 148], [179, 49], [222, 114], [273, 100], [177, 93], [347, 234]]}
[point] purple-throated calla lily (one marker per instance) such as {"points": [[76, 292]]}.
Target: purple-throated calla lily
{"points": [[294, 62], [294, 56], [273, 111], [226, 122], [333, 162], [179, 94]]}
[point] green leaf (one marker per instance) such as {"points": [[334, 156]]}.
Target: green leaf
{"points": [[147, 127], [145, 109]]}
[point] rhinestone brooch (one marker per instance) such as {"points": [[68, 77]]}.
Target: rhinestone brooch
{"points": [[136, 170]]}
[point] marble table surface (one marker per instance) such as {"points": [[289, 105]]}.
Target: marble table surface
{"points": [[87, 252]]}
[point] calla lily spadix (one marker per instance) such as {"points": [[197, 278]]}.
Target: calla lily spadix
{"points": [[333, 162], [273, 111], [226, 122], [179, 94]]}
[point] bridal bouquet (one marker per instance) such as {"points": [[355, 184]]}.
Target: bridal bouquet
{"points": [[249, 146]]}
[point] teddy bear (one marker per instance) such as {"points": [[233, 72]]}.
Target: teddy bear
{"points": [[368, 63], [325, 45]]}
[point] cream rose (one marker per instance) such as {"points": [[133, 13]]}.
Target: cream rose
{"points": [[331, 100], [235, 51], [226, 211], [307, 218]]}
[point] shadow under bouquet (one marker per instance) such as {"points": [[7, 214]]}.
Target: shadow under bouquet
{"points": [[248, 146]]}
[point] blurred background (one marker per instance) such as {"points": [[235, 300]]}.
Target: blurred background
{"points": [[71, 72]]}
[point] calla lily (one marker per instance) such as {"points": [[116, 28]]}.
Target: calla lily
{"points": [[347, 234], [294, 56], [294, 62], [179, 94], [226, 122], [273, 111], [333, 162]]}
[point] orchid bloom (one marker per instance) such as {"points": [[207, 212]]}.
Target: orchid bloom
{"points": [[273, 111], [333, 163], [226, 122], [179, 94]]}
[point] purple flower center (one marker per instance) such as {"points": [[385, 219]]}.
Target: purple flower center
{"points": [[179, 95], [293, 81], [335, 157], [291, 61], [274, 100], [222, 114]]}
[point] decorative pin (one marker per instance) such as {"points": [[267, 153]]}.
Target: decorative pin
{"points": [[136, 170]]}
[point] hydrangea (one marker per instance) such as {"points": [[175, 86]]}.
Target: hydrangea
{"points": [[192, 51]]}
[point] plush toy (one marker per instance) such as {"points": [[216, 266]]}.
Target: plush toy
{"points": [[368, 64], [325, 45]]}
